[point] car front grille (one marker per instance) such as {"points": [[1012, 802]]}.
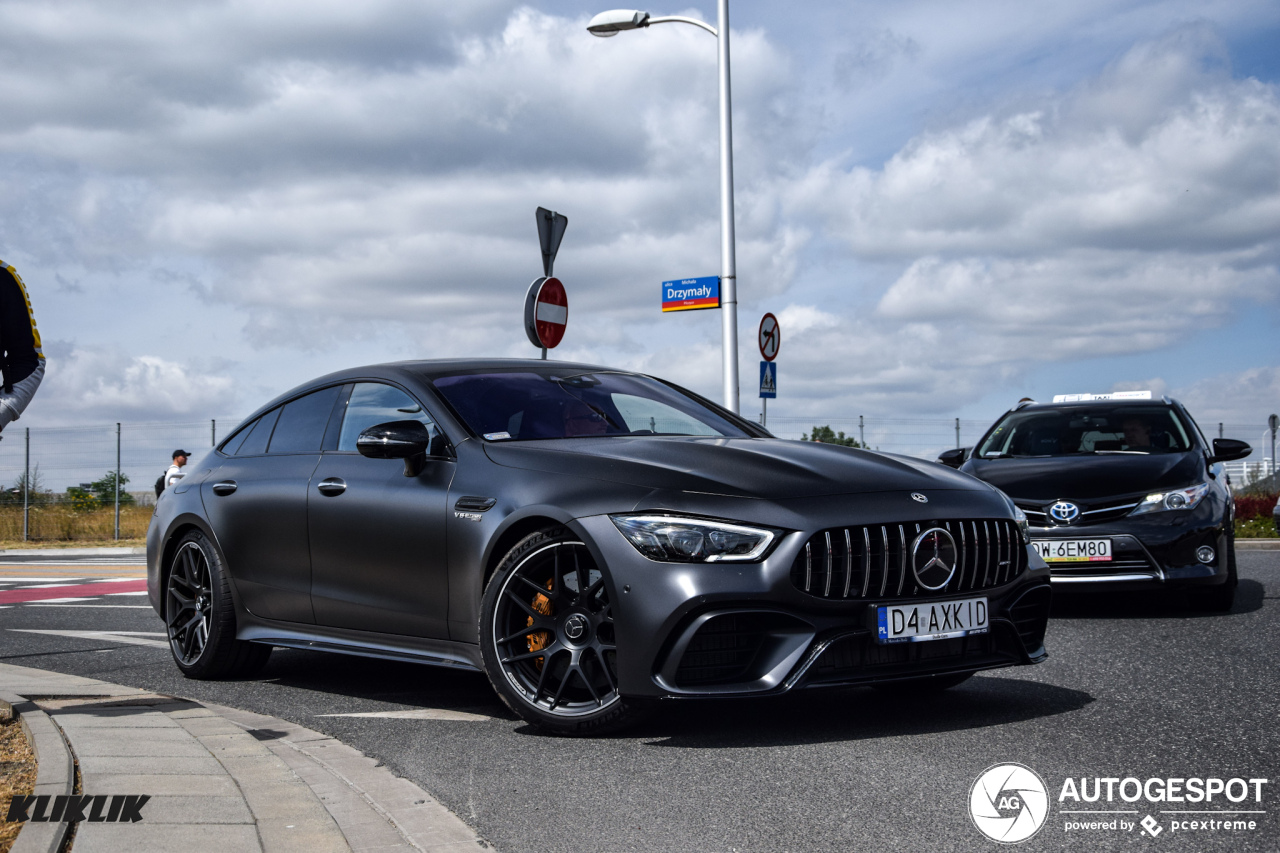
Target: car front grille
{"points": [[874, 561], [1098, 512], [860, 658]]}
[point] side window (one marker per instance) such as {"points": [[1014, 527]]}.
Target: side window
{"points": [[302, 422], [255, 443], [372, 403], [232, 445]]}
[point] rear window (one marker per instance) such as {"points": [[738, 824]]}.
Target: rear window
{"points": [[1078, 430]]}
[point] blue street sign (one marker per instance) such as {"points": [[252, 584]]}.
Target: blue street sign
{"points": [[690, 294], [768, 379]]}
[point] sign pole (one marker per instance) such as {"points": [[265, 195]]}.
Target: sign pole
{"points": [[26, 488]]}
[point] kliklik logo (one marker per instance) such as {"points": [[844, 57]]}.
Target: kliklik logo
{"points": [[73, 808], [1008, 803]]}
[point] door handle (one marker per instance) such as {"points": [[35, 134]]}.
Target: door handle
{"points": [[224, 488], [332, 487]]}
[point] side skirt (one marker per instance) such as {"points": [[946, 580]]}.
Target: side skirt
{"points": [[424, 650]]}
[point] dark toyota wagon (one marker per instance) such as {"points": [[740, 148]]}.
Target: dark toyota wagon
{"points": [[1122, 492]]}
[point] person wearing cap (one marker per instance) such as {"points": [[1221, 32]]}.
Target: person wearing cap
{"points": [[21, 355], [174, 474]]}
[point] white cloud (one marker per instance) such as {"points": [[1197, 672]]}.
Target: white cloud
{"points": [[1119, 218], [88, 385]]}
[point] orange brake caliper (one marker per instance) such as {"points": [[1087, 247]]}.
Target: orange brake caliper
{"points": [[539, 640]]}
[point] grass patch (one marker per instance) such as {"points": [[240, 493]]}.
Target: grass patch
{"points": [[17, 771], [62, 526], [1256, 528]]}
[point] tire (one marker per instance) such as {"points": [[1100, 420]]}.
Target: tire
{"points": [[1219, 599], [547, 638], [200, 618], [923, 686]]}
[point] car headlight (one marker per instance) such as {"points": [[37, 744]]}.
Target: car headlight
{"points": [[1176, 499], [1020, 518], [669, 539]]}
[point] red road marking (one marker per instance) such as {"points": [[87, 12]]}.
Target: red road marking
{"points": [[80, 590]]}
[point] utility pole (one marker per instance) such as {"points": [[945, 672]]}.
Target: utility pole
{"points": [[117, 481]]}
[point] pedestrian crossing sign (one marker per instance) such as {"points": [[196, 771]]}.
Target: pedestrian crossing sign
{"points": [[768, 379]]}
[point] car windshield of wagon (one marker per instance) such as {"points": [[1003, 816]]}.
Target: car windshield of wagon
{"points": [[1121, 430], [518, 406]]}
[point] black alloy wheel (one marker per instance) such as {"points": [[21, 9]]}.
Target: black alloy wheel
{"points": [[188, 607], [200, 617], [547, 635]]}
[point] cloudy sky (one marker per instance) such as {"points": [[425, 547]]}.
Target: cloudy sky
{"points": [[949, 206]]}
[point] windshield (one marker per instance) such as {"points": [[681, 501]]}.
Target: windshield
{"points": [[1095, 430], [533, 405]]}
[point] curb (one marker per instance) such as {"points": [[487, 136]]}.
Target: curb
{"points": [[1258, 544], [55, 773], [73, 552], [331, 796]]}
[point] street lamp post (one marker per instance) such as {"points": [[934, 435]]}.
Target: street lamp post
{"points": [[610, 24]]}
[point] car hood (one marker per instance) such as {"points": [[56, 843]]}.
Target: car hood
{"points": [[739, 467], [1088, 477]]}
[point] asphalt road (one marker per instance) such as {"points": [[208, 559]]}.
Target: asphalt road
{"points": [[1133, 688]]}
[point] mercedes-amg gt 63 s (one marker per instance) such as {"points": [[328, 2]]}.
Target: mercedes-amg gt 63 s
{"points": [[592, 540], [1123, 492]]}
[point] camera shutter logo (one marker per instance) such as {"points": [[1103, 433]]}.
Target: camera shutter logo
{"points": [[1008, 803], [1064, 511]]}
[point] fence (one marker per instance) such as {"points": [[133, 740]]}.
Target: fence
{"points": [[60, 464], [58, 483]]}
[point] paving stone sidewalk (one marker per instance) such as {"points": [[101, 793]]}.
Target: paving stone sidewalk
{"points": [[218, 779]]}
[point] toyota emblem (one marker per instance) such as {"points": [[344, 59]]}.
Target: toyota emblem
{"points": [[1064, 512]]}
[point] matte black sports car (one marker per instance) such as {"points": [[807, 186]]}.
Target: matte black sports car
{"points": [[591, 539], [1121, 493]]}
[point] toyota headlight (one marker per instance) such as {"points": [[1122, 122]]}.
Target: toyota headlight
{"points": [[1177, 499], [669, 539]]}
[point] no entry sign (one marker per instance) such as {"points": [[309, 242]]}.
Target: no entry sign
{"points": [[546, 312]]}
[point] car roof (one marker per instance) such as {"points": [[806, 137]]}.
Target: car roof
{"points": [[1161, 402], [418, 369]]}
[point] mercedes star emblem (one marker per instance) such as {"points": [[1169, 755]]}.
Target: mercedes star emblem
{"points": [[933, 558]]}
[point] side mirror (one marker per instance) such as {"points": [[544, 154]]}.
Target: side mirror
{"points": [[1228, 449], [407, 440], [954, 457]]}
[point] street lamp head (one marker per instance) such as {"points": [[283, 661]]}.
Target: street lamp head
{"points": [[614, 21]]}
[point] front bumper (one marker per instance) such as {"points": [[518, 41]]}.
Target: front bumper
{"points": [[1148, 552], [745, 629]]}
